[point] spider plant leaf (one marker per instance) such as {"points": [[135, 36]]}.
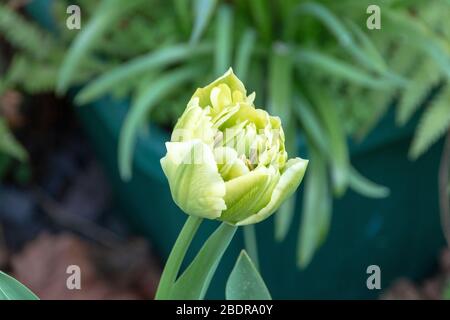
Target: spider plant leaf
{"points": [[203, 11], [137, 67], [310, 122], [244, 53], [245, 282], [280, 100], [338, 154], [224, 40], [338, 68], [260, 11], [316, 212], [149, 98], [365, 187], [106, 14]]}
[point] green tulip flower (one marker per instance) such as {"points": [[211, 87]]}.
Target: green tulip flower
{"points": [[226, 159]]}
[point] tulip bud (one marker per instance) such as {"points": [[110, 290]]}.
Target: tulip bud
{"points": [[226, 159]]}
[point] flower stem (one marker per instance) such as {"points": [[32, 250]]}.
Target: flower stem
{"points": [[176, 257], [251, 244]]}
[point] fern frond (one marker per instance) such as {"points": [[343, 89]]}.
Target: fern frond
{"points": [[22, 34], [433, 124], [426, 76]]}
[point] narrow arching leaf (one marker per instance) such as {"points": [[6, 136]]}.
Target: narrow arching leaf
{"points": [[339, 154], [195, 280], [156, 91], [244, 53], [365, 187], [341, 69], [310, 122], [11, 289], [107, 12], [224, 39], [203, 10], [316, 213], [136, 67], [245, 282], [280, 85]]}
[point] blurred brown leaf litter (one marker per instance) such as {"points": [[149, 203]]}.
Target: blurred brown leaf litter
{"points": [[126, 272], [433, 288]]}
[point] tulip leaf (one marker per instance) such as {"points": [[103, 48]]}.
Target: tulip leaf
{"points": [[245, 282], [156, 91], [317, 205], [203, 10], [251, 243], [364, 186], [11, 289], [153, 61], [224, 39], [244, 53], [195, 280]]}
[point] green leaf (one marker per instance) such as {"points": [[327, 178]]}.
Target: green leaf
{"points": [[426, 75], [310, 123], [11, 289], [224, 39], [203, 10], [139, 111], [280, 84], [366, 187], [244, 53], [317, 205], [106, 14], [340, 69], [195, 280], [139, 66], [338, 154], [251, 242], [9, 145], [433, 124], [261, 13], [245, 282]]}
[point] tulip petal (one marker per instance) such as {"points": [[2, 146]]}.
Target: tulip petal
{"points": [[288, 183], [195, 183], [229, 78], [249, 193]]}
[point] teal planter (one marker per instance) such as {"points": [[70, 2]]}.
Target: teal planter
{"points": [[401, 234]]}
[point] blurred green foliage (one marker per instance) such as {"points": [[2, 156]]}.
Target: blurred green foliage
{"points": [[313, 63]]}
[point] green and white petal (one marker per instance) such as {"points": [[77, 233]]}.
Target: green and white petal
{"points": [[194, 180], [288, 183], [249, 193], [229, 79]]}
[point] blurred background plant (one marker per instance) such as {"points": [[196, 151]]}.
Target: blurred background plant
{"points": [[313, 63]]}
